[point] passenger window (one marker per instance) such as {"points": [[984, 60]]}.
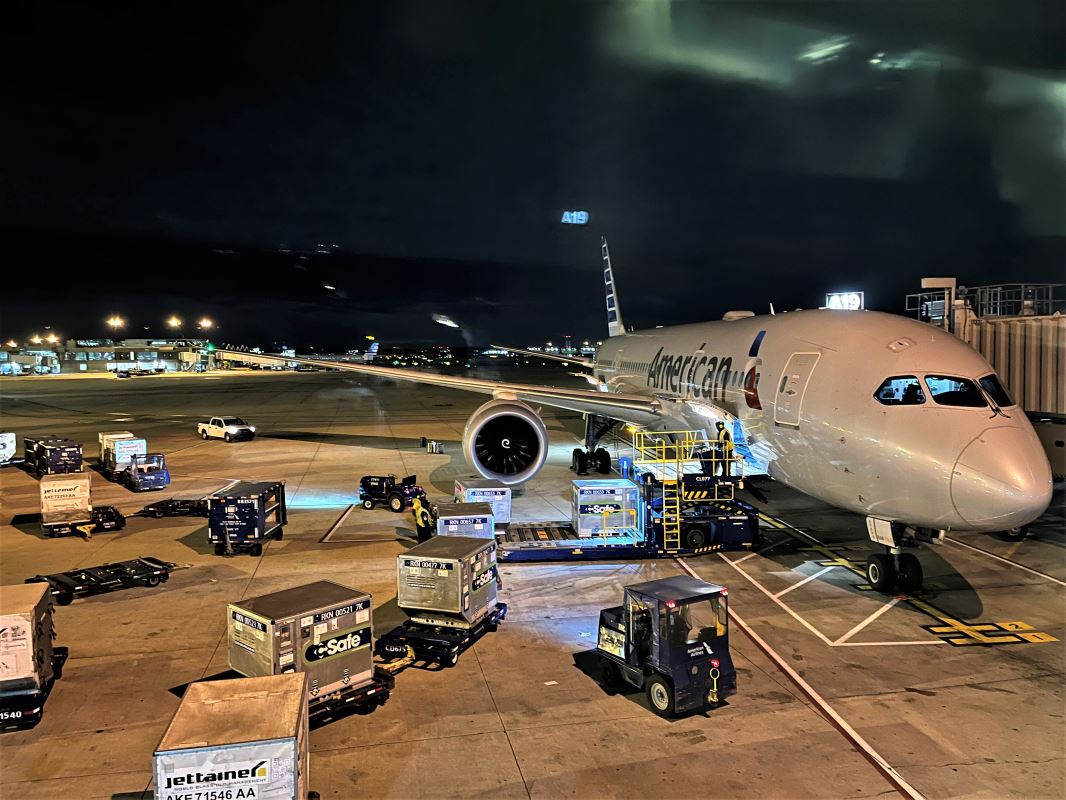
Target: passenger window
{"points": [[900, 390], [960, 392], [991, 384]]}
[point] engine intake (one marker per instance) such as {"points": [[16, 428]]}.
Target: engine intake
{"points": [[505, 440]]}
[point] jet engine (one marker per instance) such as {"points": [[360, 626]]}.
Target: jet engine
{"points": [[505, 440]]}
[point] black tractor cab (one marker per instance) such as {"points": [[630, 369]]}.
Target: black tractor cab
{"points": [[398, 496], [669, 638]]}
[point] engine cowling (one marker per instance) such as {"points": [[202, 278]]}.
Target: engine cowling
{"points": [[505, 440]]}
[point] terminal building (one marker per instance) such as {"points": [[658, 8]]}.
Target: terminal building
{"points": [[105, 355]]}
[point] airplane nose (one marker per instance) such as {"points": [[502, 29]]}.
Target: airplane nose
{"points": [[1002, 480]]}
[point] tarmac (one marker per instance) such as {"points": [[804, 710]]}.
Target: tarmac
{"points": [[957, 691]]}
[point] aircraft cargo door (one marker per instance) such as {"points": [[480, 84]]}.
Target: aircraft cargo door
{"points": [[791, 387]]}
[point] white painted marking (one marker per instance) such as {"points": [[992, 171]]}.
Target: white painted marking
{"points": [[889, 644], [1006, 561], [551, 683], [853, 735], [743, 558], [784, 607], [339, 522], [808, 579], [868, 620], [233, 482]]}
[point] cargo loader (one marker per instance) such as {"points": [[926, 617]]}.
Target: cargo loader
{"points": [[448, 587]]}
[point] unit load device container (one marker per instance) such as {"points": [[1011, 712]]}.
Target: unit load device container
{"points": [[484, 490], [448, 581], [607, 507], [117, 451], [29, 664], [7, 448], [465, 519], [245, 515], [52, 455], [242, 738], [66, 502], [323, 629]]}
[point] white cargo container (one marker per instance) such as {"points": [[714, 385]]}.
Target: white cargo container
{"points": [[465, 519], [242, 738], [66, 499], [484, 490], [119, 452], [26, 633], [7, 447], [105, 438]]}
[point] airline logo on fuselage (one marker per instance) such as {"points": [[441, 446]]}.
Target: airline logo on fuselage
{"points": [[703, 376]]}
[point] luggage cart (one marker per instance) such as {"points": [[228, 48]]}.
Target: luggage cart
{"points": [[143, 571], [436, 644]]}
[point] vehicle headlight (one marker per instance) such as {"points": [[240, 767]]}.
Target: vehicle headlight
{"points": [[231, 428], [251, 428]]}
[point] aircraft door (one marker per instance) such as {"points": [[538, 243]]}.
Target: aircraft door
{"points": [[791, 387]]}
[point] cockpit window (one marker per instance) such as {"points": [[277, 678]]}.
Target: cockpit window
{"points": [[900, 390], [991, 384], [949, 391]]}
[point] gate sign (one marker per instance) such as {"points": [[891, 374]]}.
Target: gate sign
{"points": [[847, 301], [575, 218]]}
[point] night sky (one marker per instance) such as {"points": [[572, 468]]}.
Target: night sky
{"points": [[159, 156]]}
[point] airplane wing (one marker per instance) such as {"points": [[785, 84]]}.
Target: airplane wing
{"points": [[635, 408], [579, 361]]}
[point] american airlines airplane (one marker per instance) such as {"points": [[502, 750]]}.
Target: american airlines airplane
{"points": [[874, 413]]}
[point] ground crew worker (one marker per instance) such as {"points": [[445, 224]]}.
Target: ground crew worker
{"points": [[423, 521], [723, 447]]}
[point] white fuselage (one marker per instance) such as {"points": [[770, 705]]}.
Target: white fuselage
{"points": [[806, 397]]}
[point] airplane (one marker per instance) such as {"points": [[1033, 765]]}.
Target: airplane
{"points": [[875, 413]]}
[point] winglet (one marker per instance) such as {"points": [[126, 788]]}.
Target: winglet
{"points": [[615, 327]]}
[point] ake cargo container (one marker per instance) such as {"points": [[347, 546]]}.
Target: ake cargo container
{"points": [[484, 490], [449, 581], [51, 455], [29, 664], [323, 629], [465, 519], [242, 738]]}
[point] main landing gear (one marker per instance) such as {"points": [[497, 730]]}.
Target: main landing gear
{"points": [[593, 458]]}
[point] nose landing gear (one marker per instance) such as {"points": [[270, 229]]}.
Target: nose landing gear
{"points": [[888, 571]]}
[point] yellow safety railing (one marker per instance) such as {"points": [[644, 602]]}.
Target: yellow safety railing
{"points": [[627, 528], [667, 453]]}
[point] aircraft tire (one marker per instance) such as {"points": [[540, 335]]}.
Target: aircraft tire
{"points": [[910, 572], [581, 462], [1015, 534], [881, 572], [603, 461]]}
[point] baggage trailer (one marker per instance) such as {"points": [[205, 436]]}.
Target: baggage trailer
{"points": [[242, 517], [243, 738], [52, 455], [622, 520], [29, 664], [448, 587], [322, 629], [143, 571]]}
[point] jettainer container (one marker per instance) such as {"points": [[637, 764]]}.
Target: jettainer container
{"points": [[242, 738], [323, 629], [66, 499], [449, 581], [29, 664], [465, 519], [484, 490]]}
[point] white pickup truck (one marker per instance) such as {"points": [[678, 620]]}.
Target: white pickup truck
{"points": [[228, 428]]}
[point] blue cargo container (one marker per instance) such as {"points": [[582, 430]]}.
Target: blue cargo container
{"points": [[243, 516]]}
